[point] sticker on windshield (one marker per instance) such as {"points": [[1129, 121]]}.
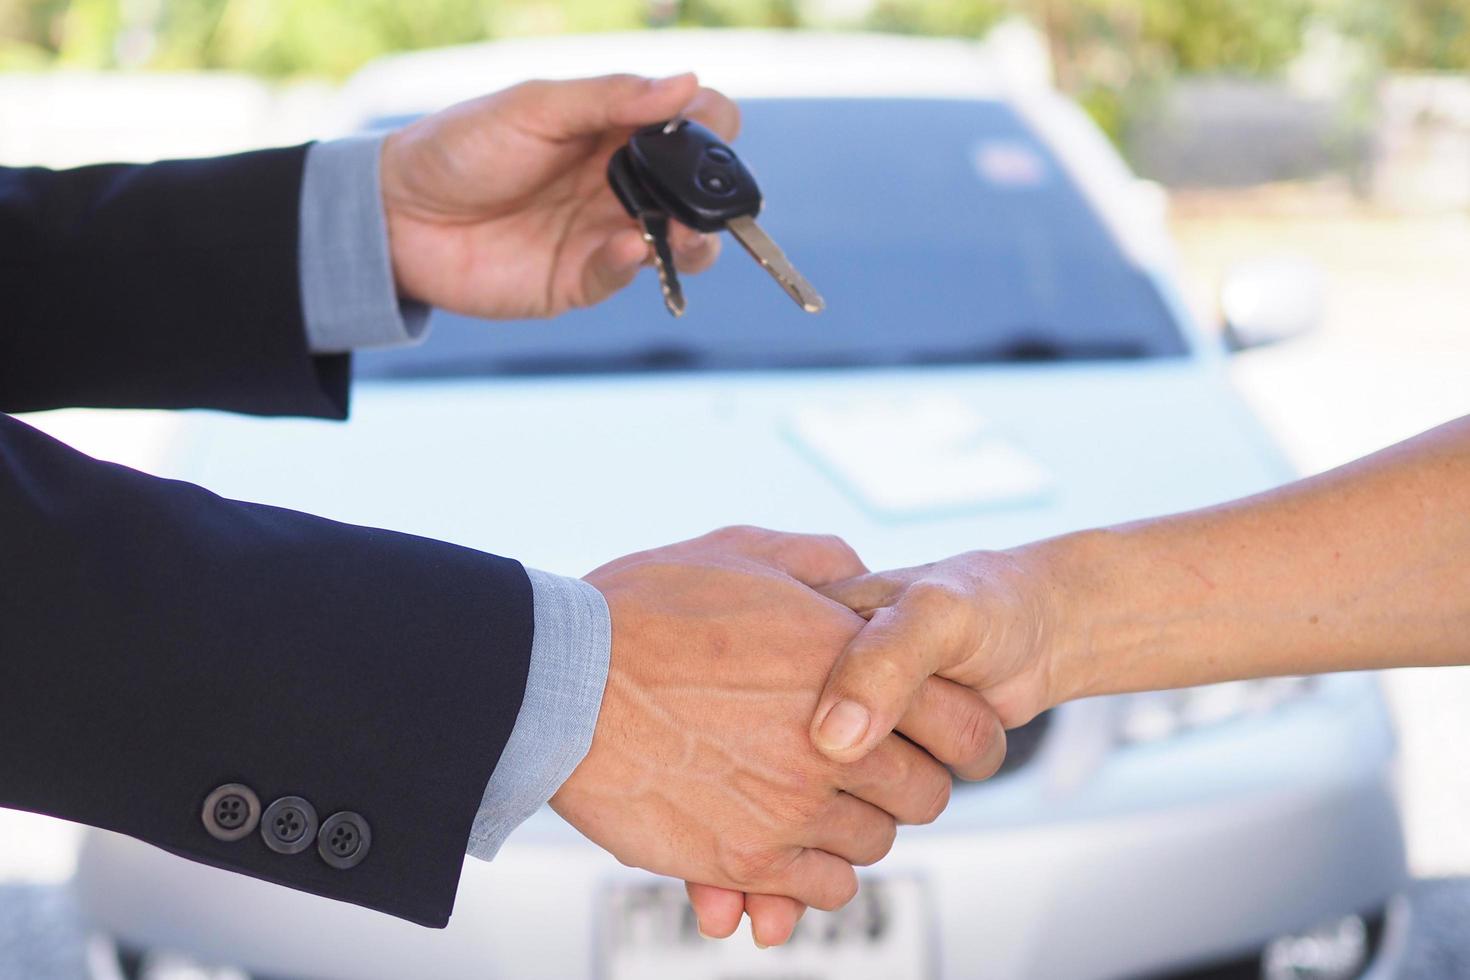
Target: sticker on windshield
{"points": [[1009, 164]]}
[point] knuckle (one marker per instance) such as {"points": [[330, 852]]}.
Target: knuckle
{"points": [[614, 85], [737, 533], [835, 544], [745, 865], [799, 811], [534, 91], [973, 736], [929, 597], [843, 557]]}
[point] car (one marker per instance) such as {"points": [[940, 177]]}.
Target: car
{"points": [[1005, 356]]}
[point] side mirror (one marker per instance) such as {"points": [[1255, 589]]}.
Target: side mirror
{"points": [[1268, 300]]}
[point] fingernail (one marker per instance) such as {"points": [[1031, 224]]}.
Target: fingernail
{"points": [[699, 927], [758, 943], [845, 725], [694, 243]]}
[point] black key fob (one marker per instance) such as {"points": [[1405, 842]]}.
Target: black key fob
{"points": [[693, 175], [681, 170]]}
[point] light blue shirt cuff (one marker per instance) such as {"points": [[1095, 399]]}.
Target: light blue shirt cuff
{"points": [[552, 733], [348, 299]]}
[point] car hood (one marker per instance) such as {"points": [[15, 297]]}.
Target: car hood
{"points": [[908, 465]]}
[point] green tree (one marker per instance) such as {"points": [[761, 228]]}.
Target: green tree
{"points": [[1415, 35], [733, 13]]}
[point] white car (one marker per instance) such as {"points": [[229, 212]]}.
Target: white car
{"points": [[1004, 357]]}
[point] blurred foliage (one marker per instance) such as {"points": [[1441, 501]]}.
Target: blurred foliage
{"points": [[1096, 43], [936, 16], [1188, 35], [1415, 34], [727, 13], [321, 37], [1114, 56]]}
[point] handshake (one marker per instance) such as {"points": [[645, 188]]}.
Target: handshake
{"points": [[773, 711]]}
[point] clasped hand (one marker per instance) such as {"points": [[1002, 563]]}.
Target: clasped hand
{"points": [[702, 765]]}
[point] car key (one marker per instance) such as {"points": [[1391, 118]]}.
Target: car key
{"points": [[655, 224], [700, 182], [687, 173]]}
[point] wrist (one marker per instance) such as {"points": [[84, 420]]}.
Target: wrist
{"points": [[1141, 610], [559, 712], [400, 167], [1081, 586], [564, 800], [389, 193]]}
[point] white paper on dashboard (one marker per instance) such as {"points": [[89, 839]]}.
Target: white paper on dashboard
{"points": [[921, 455]]}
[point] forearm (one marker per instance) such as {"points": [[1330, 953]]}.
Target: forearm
{"points": [[165, 285], [158, 641], [1365, 566]]}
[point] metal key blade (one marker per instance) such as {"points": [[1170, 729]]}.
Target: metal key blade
{"points": [[655, 226], [765, 251]]}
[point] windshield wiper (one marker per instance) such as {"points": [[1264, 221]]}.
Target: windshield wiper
{"points": [[666, 357], [673, 357], [1025, 349], [657, 357]]}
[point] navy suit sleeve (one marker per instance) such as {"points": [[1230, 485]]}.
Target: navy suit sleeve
{"points": [[158, 641], [165, 285]]}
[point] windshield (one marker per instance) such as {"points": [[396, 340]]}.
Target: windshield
{"points": [[939, 231]]}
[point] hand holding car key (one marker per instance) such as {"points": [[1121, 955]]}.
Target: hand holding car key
{"points": [[681, 170]]}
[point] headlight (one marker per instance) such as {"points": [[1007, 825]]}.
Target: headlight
{"points": [[1160, 714]]}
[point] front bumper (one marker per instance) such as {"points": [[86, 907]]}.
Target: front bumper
{"points": [[1094, 862]]}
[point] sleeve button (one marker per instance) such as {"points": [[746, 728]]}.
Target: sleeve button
{"points": [[288, 825], [344, 839], [231, 812]]}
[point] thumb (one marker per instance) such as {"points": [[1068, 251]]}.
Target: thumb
{"points": [[865, 593], [586, 106], [877, 677]]}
